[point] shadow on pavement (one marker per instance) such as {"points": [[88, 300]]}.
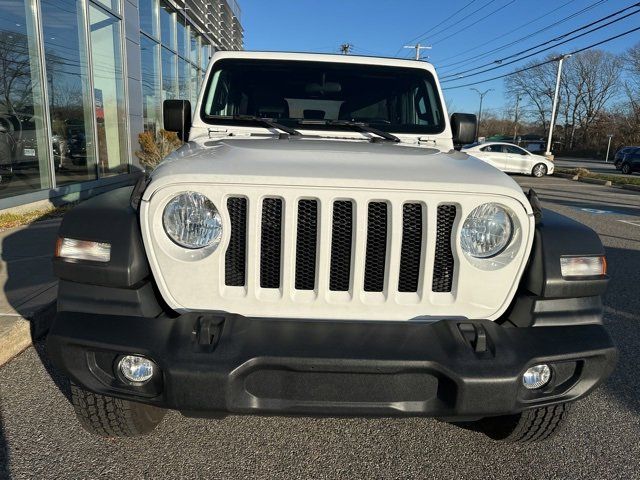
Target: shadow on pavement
{"points": [[4, 452], [30, 288], [622, 319]]}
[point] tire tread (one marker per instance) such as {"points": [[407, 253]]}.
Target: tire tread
{"points": [[113, 417]]}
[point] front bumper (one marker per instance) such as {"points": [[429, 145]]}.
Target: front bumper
{"points": [[212, 363]]}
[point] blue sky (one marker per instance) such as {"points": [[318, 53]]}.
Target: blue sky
{"points": [[382, 27]]}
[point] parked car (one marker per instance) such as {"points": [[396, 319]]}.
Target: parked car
{"points": [[339, 259], [510, 158], [620, 155], [631, 162]]}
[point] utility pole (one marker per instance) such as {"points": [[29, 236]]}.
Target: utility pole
{"points": [[606, 159], [515, 128], [345, 48], [554, 106], [482, 94], [417, 48]]}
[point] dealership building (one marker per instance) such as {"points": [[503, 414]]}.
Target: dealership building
{"points": [[81, 79]]}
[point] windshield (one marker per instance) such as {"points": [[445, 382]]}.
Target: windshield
{"points": [[296, 93]]}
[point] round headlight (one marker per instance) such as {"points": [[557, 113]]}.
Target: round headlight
{"points": [[192, 221], [486, 231]]}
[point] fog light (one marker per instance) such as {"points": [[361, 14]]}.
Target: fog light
{"points": [[536, 376], [135, 368]]}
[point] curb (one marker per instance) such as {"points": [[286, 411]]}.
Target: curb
{"points": [[24, 331], [597, 181]]}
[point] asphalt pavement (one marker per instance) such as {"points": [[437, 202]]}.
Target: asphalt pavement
{"points": [[594, 166], [40, 437]]}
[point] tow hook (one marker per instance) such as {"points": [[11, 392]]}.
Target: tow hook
{"points": [[207, 331], [475, 335]]}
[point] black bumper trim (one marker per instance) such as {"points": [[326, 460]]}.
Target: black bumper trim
{"points": [[295, 366]]}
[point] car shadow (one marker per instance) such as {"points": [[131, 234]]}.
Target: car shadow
{"points": [[4, 451], [30, 287], [622, 318]]}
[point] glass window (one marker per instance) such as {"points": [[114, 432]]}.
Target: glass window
{"points": [[167, 25], [69, 91], [149, 17], [515, 150], [169, 75], [184, 73], [388, 98], [195, 85], [108, 82], [149, 56], [24, 148], [194, 40], [182, 37], [204, 55], [112, 4]]}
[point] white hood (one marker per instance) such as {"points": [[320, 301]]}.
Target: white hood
{"points": [[330, 163]]}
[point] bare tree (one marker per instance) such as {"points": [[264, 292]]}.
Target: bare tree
{"points": [[15, 72], [589, 83]]}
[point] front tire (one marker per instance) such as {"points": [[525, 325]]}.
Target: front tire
{"points": [[112, 417], [539, 170], [626, 169], [528, 426]]}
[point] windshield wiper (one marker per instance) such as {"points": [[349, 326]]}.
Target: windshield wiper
{"points": [[266, 122], [358, 126]]}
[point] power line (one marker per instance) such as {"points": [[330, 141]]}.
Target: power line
{"points": [[606, 40], [448, 78], [455, 32], [468, 4], [526, 37], [436, 26], [556, 39]]}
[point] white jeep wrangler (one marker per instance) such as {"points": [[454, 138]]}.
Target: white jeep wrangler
{"points": [[318, 247]]}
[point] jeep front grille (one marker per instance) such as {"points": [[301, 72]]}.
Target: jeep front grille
{"points": [[271, 243], [443, 261], [236, 256], [411, 254], [341, 244], [379, 274]]}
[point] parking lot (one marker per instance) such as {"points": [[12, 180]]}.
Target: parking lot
{"points": [[40, 437]]}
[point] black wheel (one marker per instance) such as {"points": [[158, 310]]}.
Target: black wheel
{"points": [[539, 170], [626, 169], [529, 426], [113, 417]]}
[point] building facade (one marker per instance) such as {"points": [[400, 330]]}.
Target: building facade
{"points": [[81, 79]]}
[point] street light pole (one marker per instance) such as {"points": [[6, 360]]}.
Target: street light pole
{"points": [[606, 159], [554, 106], [515, 128], [482, 94]]}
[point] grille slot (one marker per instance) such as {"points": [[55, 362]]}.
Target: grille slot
{"points": [[236, 255], [376, 253], [306, 244], [341, 244], [411, 250], [271, 243], [443, 265]]}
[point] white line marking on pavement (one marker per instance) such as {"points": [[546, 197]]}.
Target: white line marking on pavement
{"points": [[635, 223]]}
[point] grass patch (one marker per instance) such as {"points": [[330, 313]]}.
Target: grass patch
{"points": [[583, 172], [12, 220]]}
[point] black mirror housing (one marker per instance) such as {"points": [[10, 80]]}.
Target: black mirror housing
{"points": [[463, 128], [176, 116]]}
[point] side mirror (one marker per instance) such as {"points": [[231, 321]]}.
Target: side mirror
{"points": [[463, 128], [176, 116]]}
